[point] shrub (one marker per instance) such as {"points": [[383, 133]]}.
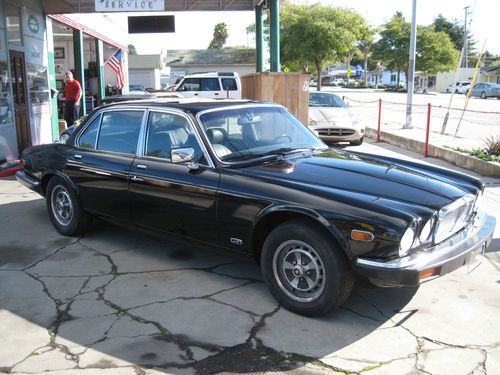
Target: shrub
{"points": [[493, 145]]}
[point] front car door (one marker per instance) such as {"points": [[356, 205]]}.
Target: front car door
{"points": [[101, 161], [171, 197]]}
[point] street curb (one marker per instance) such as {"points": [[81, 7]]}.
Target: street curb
{"points": [[486, 168]]}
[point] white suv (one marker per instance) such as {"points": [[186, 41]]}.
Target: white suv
{"points": [[459, 87], [210, 85]]}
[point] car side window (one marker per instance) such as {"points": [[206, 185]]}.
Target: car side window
{"points": [[89, 135], [120, 131], [210, 84], [167, 131], [229, 84], [190, 84]]}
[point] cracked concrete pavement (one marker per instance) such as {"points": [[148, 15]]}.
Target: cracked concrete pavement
{"points": [[118, 302]]}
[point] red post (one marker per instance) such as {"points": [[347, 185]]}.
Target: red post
{"points": [[379, 116], [426, 148]]}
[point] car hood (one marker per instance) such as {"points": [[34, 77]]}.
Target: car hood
{"points": [[366, 178], [335, 115]]}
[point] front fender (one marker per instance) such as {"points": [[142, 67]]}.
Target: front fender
{"points": [[286, 212]]}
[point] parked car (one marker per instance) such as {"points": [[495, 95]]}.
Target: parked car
{"points": [[459, 87], [223, 85], [328, 81], [250, 177], [486, 90], [332, 120], [313, 82]]}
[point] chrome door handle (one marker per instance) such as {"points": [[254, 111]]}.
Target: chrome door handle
{"points": [[77, 156], [137, 179], [141, 166]]}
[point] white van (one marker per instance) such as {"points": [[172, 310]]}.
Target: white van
{"points": [[210, 85]]}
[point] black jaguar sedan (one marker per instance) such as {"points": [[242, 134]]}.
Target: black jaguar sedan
{"points": [[249, 176]]}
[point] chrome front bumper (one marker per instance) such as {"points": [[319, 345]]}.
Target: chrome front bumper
{"points": [[423, 266]]}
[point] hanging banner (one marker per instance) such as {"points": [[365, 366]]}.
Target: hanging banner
{"points": [[129, 5]]}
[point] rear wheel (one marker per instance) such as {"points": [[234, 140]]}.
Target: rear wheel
{"points": [[358, 142], [483, 95], [304, 269], [64, 209]]}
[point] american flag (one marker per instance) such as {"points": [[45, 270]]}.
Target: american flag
{"points": [[116, 63]]}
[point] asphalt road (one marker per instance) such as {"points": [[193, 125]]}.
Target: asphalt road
{"points": [[118, 302]]}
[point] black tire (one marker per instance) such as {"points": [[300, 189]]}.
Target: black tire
{"points": [[329, 277], [64, 208], [483, 95], [359, 142]]}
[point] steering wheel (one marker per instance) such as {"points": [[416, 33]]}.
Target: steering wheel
{"points": [[282, 136]]}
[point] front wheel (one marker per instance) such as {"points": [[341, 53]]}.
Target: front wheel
{"points": [[305, 269], [64, 209]]}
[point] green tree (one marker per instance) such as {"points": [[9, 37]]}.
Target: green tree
{"points": [[315, 34], [131, 49], [220, 36], [434, 50], [455, 31]]}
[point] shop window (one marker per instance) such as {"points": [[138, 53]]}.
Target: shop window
{"points": [[14, 29]]}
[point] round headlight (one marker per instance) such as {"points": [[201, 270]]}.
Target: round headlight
{"points": [[426, 231], [407, 241]]}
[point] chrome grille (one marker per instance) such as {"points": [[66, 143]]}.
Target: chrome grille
{"points": [[335, 132], [454, 217]]}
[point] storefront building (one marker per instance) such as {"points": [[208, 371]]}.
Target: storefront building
{"points": [[35, 52]]}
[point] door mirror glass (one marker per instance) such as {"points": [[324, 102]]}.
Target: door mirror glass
{"points": [[182, 155]]}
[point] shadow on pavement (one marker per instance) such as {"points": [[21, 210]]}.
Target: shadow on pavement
{"points": [[115, 298]]}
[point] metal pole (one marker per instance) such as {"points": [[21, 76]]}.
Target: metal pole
{"points": [[411, 70], [465, 38], [379, 117], [259, 38], [426, 149]]}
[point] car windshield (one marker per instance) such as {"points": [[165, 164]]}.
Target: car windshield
{"points": [[317, 99], [246, 133]]}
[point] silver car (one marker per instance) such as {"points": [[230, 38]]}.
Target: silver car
{"points": [[486, 90], [332, 120]]}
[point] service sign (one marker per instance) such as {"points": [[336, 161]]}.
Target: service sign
{"points": [[129, 5]]}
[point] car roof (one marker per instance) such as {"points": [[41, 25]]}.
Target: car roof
{"points": [[192, 105]]}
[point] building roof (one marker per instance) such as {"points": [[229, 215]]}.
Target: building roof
{"points": [[495, 71], [225, 56]]}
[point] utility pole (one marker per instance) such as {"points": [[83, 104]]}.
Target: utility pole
{"points": [[465, 38], [411, 70]]}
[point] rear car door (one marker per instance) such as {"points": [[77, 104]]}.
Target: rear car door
{"points": [[172, 197], [100, 163]]}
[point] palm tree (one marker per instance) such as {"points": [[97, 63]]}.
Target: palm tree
{"points": [[220, 36]]}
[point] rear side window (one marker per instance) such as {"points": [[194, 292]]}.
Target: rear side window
{"points": [[210, 84], [229, 84], [120, 131], [89, 135]]}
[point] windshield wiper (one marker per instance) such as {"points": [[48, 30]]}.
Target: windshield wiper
{"points": [[288, 150]]}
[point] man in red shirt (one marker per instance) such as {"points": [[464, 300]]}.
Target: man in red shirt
{"points": [[73, 94]]}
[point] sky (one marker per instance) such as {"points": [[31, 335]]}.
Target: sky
{"points": [[194, 29]]}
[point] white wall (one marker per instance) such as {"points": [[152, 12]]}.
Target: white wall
{"points": [[444, 79]]}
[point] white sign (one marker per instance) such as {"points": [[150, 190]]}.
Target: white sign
{"points": [[129, 5]]}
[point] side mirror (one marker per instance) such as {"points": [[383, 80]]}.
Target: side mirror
{"points": [[182, 155]]}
